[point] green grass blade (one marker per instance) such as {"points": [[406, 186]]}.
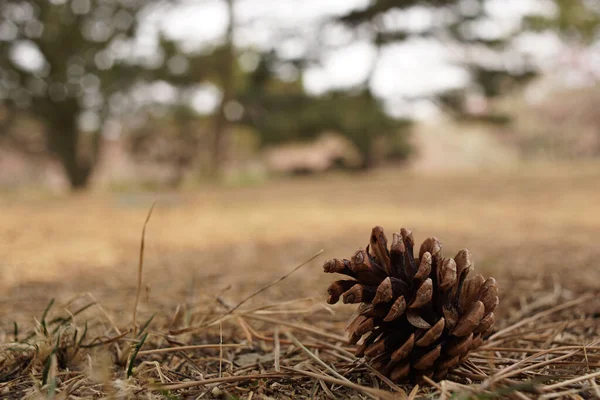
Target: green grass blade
{"points": [[83, 334], [135, 353], [63, 320], [49, 362], [44, 316], [143, 328]]}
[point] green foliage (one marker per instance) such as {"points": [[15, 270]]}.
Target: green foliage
{"points": [[358, 116], [15, 331], [398, 147], [145, 325], [73, 69], [48, 363], [573, 19], [280, 111], [136, 350], [458, 25], [81, 63], [379, 7], [43, 323], [174, 141]]}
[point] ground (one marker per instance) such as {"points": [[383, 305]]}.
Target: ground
{"points": [[531, 227]]}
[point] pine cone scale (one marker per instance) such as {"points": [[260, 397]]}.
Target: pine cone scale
{"points": [[470, 320], [379, 245], [396, 310], [432, 334], [449, 363], [400, 372], [415, 319], [459, 347], [423, 295], [426, 361], [421, 316], [404, 350]]}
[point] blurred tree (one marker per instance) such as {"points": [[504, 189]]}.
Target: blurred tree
{"points": [[215, 64], [458, 24], [173, 141], [280, 111], [574, 20], [277, 108], [226, 81], [67, 64]]}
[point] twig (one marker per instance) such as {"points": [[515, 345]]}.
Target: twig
{"points": [[596, 388], [300, 327], [140, 269], [413, 393], [225, 379], [382, 394], [541, 315], [183, 348], [567, 394], [220, 349], [276, 349], [591, 376], [103, 311], [432, 383], [514, 369], [238, 305], [107, 341], [533, 350], [387, 381], [298, 344]]}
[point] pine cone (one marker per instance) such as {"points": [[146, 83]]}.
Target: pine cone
{"points": [[422, 316]]}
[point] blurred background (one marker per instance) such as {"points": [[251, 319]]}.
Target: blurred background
{"points": [[167, 94], [267, 129]]}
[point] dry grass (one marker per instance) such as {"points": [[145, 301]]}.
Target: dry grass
{"points": [[206, 252]]}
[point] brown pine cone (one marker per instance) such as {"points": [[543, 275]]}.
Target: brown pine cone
{"points": [[421, 316]]}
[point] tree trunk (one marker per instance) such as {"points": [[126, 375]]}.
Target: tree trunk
{"points": [[221, 125], [181, 165], [364, 144], [367, 161], [7, 120], [64, 143]]}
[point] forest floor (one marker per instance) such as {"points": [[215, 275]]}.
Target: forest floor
{"points": [[533, 228]]}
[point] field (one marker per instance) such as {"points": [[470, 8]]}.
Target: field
{"points": [[533, 228]]}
